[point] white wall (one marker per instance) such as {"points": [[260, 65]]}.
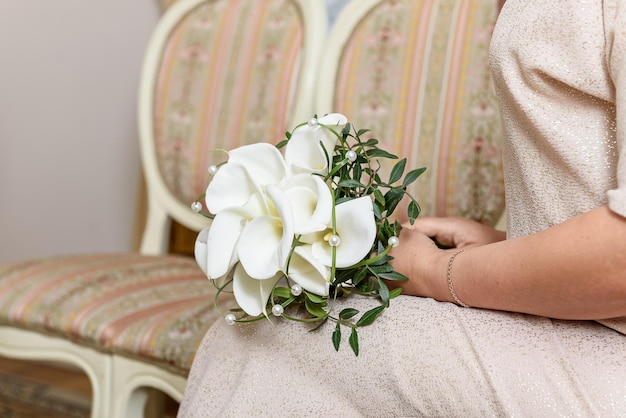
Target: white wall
{"points": [[69, 158]]}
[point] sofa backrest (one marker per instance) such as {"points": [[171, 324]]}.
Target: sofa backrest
{"points": [[415, 72]]}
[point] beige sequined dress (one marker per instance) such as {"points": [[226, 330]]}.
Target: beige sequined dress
{"points": [[565, 155]]}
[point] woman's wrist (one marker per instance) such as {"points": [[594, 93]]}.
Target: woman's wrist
{"points": [[450, 281]]}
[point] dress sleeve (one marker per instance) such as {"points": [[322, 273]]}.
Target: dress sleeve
{"points": [[615, 14]]}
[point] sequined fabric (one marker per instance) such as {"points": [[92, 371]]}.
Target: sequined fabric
{"points": [[558, 66], [421, 358], [560, 72], [426, 358]]}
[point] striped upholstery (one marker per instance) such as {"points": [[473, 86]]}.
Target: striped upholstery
{"points": [[227, 78], [227, 75], [415, 72], [157, 308]]}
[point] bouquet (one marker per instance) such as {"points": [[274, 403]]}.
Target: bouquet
{"points": [[305, 227]]}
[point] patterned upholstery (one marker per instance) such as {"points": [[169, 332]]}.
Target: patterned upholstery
{"points": [[157, 308], [415, 73], [245, 98]]}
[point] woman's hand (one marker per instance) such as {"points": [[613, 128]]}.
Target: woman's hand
{"points": [[457, 232], [419, 258]]}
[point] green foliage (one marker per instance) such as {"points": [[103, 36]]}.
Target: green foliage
{"points": [[351, 179]]}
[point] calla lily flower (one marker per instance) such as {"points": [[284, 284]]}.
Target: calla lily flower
{"points": [[311, 144], [249, 168], [311, 202], [266, 241], [216, 247], [252, 294], [308, 272], [356, 228]]}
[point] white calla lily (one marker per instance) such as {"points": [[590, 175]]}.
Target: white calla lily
{"points": [[356, 228], [216, 250], [266, 240], [248, 170], [252, 294], [308, 272], [310, 146], [311, 202]]}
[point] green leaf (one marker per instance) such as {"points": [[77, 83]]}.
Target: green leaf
{"points": [[383, 292], [392, 198], [282, 143], [357, 172], [381, 269], [394, 293], [337, 167], [360, 275], [315, 298], [354, 341], [412, 175], [379, 198], [281, 292], [377, 213], [362, 131], [381, 154], [413, 211], [397, 171], [370, 142], [379, 260], [393, 275], [315, 309], [370, 316], [351, 184], [348, 313], [346, 130], [337, 337]]}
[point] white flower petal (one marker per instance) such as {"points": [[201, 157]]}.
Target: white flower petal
{"points": [[263, 161], [308, 272], [231, 186], [221, 245], [259, 247], [248, 169], [266, 241], [251, 294], [219, 241], [336, 120], [303, 152], [200, 249], [311, 201], [356, 227]]}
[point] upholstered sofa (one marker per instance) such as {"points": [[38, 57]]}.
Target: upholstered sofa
{"points": [[220, 73]]}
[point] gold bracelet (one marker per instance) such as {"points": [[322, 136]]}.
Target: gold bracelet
{"points": [[449, 275]]}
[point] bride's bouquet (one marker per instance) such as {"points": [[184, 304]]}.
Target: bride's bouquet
{"points": [[303, 228]]}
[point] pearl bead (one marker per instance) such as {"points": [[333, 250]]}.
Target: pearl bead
{"points": [[394, 241], [212, 169], [296, 290], [230, 318], [277, 310], [312, 123], [196, 206], [351, 156], [334, 240]]}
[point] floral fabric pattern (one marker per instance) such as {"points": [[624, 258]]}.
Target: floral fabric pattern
{"points": [[418, 77], [217, 94]]}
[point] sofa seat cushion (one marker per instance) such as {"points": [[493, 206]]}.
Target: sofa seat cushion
{"points": [[156, 308]]}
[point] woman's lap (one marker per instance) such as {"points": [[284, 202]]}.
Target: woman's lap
{"points": [[419, 358]]}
